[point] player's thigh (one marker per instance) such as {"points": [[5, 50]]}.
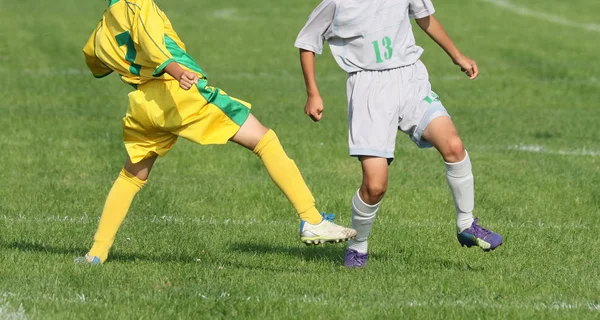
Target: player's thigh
{"points": [[375, 179], [143, 143], [373, 101], [442, 134], [250, 133], [142, 138], [421, 107], [210, 116], [375, 170], [440, 131]]}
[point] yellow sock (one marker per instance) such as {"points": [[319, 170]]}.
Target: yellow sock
{"points": [[115, 209], [287, 177]]}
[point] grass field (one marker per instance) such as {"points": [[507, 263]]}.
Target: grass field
{"points": [[212, 237]]}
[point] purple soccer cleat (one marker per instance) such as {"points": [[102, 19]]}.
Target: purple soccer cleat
{"points": [[477, 235], [355, 259]]}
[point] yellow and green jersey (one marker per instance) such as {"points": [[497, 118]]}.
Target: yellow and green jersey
{"points": [[136, 40]]}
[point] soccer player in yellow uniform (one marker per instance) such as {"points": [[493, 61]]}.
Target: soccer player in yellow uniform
{"points": [[173, 99]]}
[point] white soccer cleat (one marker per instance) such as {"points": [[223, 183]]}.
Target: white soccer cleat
{"points": [[87, 259], [326, 231]]}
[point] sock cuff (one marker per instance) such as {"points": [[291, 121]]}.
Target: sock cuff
{"points": [[125, 175], [361, 207], [266, 139], [459, 169]]}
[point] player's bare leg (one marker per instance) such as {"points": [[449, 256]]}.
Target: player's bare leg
{"points": [[131, 179], [141, 170], [314, 228], [375, 179], [442, 134], [365, 204]]}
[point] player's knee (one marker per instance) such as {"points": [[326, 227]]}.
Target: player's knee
{"points": [[374, 192], [140, 174], [140, 170], [454, 151], [143, 175]]}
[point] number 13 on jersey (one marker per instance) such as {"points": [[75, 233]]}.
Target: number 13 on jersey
{"points": [[386, 43]]}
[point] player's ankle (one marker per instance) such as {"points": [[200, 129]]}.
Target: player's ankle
{"points": [[359, 246]]}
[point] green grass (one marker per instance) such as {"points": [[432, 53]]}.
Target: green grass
{"points": [[211, 236]]}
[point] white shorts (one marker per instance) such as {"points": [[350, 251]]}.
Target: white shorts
{"points": [[382, 102]]}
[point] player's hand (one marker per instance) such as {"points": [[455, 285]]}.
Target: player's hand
{"points": [[314, 108], [468, 66], [187, 80]]}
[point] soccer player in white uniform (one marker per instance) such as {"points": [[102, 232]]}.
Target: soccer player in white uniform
{"points": [[388, 90]]}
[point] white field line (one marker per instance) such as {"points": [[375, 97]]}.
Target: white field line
{"points": [[7, 312], [522, 11], [275, 76], [556, 305], [226, 14], [321, 300], [279, 76], [48, 72], [563, 152], [576, 225]]}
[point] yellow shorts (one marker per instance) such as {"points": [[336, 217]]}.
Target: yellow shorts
{"points": [[160, 111]]}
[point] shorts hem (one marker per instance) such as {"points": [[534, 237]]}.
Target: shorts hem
{"points": [[371, 153], [436, 110]]}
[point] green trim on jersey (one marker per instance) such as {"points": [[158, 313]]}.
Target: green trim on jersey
{"points": [[161, 69], [181, 56], [432, 98], [235, 110], [111, 2], [124, 39]]}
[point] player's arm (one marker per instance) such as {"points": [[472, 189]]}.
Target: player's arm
{"points": [[314, 103], [435, 31], [96, 66], [310, 41], [148, 32], [187, 79]]}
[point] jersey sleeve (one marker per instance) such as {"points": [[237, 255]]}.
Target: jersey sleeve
{"points": [[418, 9], [96, 66], [148, 32], [312, 35]]}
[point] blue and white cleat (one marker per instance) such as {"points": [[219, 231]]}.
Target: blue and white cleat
{"points": [[87, 259], [326, 231], [479, 236]]}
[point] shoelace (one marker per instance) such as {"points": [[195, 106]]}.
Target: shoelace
{"points": [[480, 232], [358, 258], [328, 216]]}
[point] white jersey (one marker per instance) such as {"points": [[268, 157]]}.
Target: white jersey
{"points": [[365, 34]]}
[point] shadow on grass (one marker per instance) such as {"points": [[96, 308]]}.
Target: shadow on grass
{"points": [[329, 253], [454, 265], [436, 262], [26, 246], [326, 252]]}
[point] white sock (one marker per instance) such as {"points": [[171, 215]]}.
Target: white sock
{"points": [[460, 180], [363, 216]]}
